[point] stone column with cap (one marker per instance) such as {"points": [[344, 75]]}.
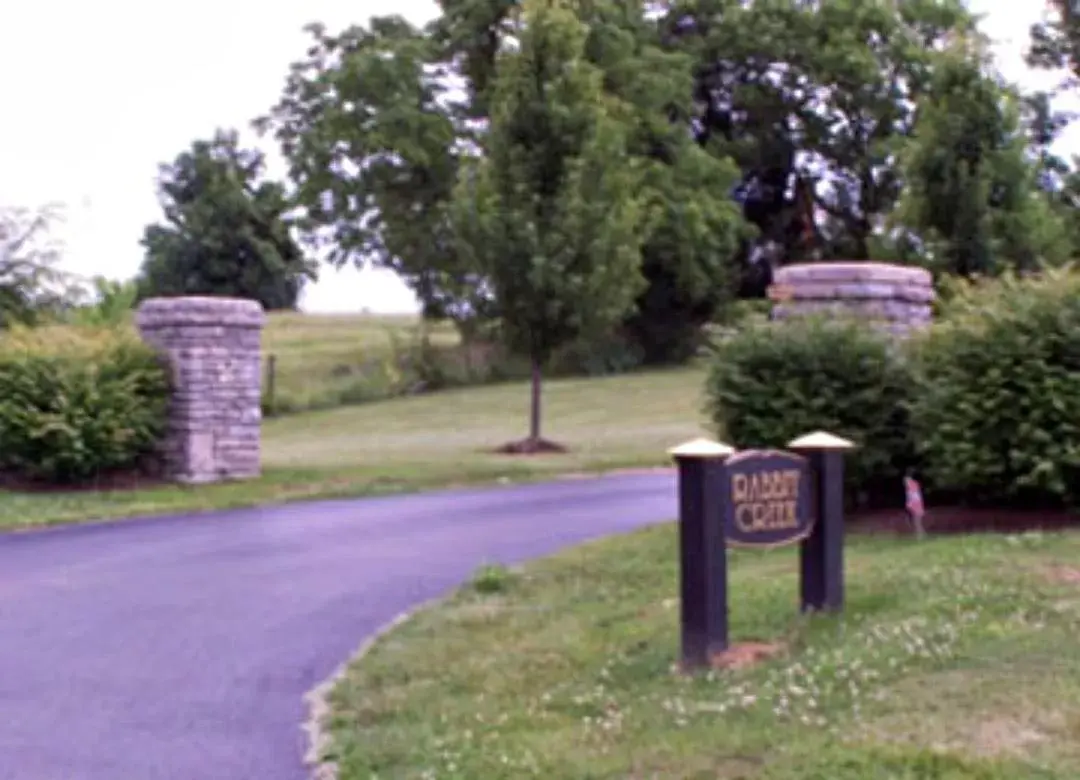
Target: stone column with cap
{"points": [[896, 299], [213, 346]]}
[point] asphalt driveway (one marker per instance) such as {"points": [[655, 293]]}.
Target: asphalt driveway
{"points": [[181, 648]]}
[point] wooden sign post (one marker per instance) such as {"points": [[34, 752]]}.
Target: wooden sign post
{"points": [[756, 498], [702, 552], [821, 557]]}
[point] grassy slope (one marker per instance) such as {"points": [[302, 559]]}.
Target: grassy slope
{"points": [[421, 441], [322, 358], [956, 659]]}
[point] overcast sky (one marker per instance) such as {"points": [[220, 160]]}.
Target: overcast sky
{"points": [[96, 95]]}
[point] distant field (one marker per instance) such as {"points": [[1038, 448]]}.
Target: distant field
{"points": [[326, 360], [296, 333]]}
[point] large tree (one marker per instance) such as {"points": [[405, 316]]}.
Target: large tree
{"points": [[376, 120], [226, 232], [372, 133], [814, 101], [549, 216]]}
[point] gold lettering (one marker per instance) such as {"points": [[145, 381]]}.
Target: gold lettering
{"points": [[738, 488], [742, 522], [766, 501]]}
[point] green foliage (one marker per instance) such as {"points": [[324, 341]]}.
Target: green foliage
{"points": [[771, 383], [32, 288], [76, 403], [491, 578], [365, 101], [545, 217], [908, 763], [997, 416], [692, 227], [1055, 39], [971, 186], [225, 232], [113, 304], [377, 125]]}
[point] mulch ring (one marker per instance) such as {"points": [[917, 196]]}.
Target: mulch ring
{"points": [[531, 447], [739, 655], [743, 654], [963, 520]]}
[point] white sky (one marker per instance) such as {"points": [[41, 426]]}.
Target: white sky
{"points": [[126, 86]]}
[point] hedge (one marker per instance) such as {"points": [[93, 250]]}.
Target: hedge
{"points": [[76, 403], [771, 382], [997, 415]]}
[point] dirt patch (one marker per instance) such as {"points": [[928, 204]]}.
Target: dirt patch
{"points": [[744, 654], [531, 447], [1004, 735], [1069, 575], [963, 520]]}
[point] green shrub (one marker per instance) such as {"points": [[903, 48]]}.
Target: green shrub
{"points": [[997, 417], [78, 402], [772, 382]]}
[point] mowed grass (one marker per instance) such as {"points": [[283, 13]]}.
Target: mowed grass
{"points": [[956, 659], [418, 442], [324, 360]]}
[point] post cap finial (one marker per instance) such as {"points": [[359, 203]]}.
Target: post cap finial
{"points": [[701, 448], [820, 440]]}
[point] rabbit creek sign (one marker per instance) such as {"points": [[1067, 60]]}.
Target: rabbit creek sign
{"points": [[768, 500], [756, 498]]}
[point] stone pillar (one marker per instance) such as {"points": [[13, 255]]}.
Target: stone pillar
{"points": [[213, 346], [895, 298]]}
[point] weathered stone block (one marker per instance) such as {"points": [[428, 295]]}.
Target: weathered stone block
{"points": [[893, 298], [214, 348]]}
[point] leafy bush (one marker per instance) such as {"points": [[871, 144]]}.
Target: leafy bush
{"points": [[997, 417], [772, 382], [77, 402]]}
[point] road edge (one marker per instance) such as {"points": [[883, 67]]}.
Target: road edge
{"points": [[153, 516], [317, 699]]}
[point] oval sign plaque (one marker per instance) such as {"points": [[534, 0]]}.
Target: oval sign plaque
{"points": [[768, 501]]}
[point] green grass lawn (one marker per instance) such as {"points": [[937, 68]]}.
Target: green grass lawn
{"points": [[956, 659], [421, 441], [324, 360]]}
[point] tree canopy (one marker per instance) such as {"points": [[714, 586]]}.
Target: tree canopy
{"points": [[225, 231], [758, 134]]}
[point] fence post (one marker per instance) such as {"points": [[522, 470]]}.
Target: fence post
{"points": [[269, 381]]}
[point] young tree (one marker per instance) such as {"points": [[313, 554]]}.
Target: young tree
{"points": [[549, 216], [31, 286], [225, 232], [972, 189]]}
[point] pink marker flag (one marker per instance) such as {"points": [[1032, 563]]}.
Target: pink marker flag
{"points": [[913, 501], [913, 497]]}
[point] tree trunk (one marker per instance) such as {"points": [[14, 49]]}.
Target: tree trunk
{"points": [[534, 411]]}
